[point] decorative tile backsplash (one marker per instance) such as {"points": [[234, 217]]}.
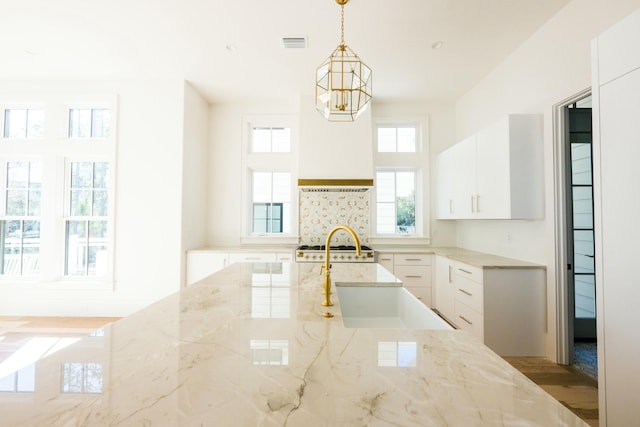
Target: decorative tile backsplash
{"points": [[320, 212]]}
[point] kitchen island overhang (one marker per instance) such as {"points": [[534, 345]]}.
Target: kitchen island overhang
{"points": [[249, 346]]}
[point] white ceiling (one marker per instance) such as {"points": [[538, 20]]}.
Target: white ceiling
{"points": [[187, 39]]}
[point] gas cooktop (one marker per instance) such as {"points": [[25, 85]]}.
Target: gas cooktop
{"points": [[339, 253]]}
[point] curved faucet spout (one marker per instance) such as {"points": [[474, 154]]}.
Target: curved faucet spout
{"points": [[327, 264]]}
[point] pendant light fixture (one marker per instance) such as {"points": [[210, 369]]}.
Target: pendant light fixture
{"points": [[343, 82]]}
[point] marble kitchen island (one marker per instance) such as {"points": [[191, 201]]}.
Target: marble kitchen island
{"points": [[248, 346]]}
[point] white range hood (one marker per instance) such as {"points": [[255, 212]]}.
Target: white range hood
{"points": [[335, 152], [335, 185]]}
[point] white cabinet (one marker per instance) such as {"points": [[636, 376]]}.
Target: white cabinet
{"points": [[464, 178], [616, 89], [469, 299], [502, 307], [445, 188], [201, 264], [284, 256], [252, 257], [204, 262], [385, 259], [414, 270], [497, 172], [444, 287]]}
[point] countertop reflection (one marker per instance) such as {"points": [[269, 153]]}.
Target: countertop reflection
{"points": [[249, 346]]}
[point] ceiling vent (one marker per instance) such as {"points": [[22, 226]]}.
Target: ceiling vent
{"points": [[294, 42]]}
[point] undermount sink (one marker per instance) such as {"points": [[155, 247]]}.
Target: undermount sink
{"points": [[370, 306]]}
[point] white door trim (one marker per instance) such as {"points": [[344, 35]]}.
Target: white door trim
{"points": [[564, 321]]}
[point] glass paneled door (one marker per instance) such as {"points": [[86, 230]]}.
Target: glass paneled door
{"points": [[581, 265]]}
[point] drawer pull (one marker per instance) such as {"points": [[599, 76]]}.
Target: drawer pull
{"points": [[413, 259], [252, 258], [385, 259], [413, 277], [466, 292], [462, 317], [464, 271], [450, 270]]}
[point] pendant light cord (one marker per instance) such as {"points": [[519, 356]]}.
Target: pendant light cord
{"points": [[342, 24]]}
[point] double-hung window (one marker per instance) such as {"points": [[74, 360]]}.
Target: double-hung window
{"points": [[400, 180], [57, 160], [20, 226], [87, 191], [270, 164], [86, 243]]}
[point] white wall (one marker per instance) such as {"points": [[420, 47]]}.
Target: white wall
{"points": [[225, 156], [225, 164], [194, 173], [147, 205], [551, 66], [440, 119]]}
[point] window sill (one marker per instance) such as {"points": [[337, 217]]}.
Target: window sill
{"points": [[403, 241], [268, 239]]}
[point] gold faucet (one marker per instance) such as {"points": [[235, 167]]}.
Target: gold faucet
{"points": [[327, 264]]}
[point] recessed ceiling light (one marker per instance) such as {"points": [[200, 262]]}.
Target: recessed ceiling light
{"points": [[231, 47], [437, 45]]}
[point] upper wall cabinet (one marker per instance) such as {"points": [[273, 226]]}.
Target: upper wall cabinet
{"points": [[495, 174]]}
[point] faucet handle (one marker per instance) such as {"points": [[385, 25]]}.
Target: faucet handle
{"points": [[322, 267]]}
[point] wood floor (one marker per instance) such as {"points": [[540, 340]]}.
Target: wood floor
{"points": [[572, 387]]}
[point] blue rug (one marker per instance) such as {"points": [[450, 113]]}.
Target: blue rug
{"points": [[585, 358]]}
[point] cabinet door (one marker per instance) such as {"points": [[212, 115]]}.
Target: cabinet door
{"points": [[284, 257], [445, 290], [385, 259], [464, 184], [251, 257], [493, 179], [423, 294], [445, 184], [413, 275], [201, 264]]}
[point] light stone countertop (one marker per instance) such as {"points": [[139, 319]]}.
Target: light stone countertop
{"points": [[475, 258], [248, 346]]}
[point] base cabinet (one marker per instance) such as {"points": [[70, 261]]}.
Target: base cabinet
{"points": [[414, 270], [444, 287], [502, 307], [203, 263]]}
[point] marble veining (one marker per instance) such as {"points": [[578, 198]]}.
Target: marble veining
{"points": [[248, 346]]}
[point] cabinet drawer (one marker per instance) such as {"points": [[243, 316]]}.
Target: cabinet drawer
{"points": [[413, 275], [422, 293], [284, 257], [469, 293], [385, 259], [469, 320], [469, 271], [412, 259], [251, 257]]}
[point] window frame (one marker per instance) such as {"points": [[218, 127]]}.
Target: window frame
{"points": [[273, 162], [4, 217], [402, 161], [67, 217], [52, 151], [22, 106]]}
